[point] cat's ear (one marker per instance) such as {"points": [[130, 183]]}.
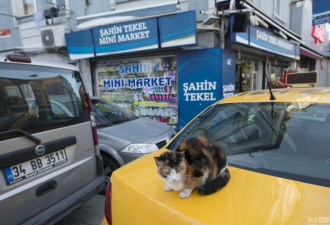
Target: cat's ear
{"points": [[181, 155], [157, 160]]}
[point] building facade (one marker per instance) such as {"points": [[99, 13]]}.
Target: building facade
{"points": [[169, 59]]}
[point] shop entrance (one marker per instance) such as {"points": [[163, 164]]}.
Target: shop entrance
{"points": [[247, 75]]}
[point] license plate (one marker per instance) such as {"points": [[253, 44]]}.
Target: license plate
{"points": [[35, 166]]}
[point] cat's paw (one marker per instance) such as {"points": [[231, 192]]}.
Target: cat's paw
{"points": [[185, 193], [167, 188]]}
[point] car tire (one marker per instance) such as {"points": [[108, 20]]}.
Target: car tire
{"points": [[109, 165]]}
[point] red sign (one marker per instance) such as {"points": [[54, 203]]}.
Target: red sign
{"points": [[318, 33], [4, 32]]}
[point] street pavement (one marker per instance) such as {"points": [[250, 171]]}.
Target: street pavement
{"points": [[91, 213]]}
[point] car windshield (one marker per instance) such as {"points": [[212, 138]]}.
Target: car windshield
{"points": [[108, 113], [288, 140]]}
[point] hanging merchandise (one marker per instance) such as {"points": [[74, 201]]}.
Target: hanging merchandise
{"points": [[145, 86], [246, 75]]}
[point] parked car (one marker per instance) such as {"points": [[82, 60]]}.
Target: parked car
{"points": [[279, 161], [124, 137], [49, 158]]}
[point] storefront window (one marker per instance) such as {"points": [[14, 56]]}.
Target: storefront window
{"points": [[277, 79], [246, 75], [146, 87], [306, 63]]}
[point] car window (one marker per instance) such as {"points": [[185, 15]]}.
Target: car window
{"points": [[36, 98], [283, 139], [108, 113]]}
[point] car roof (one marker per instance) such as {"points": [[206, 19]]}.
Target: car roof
{"points": [[299, 95], [41, 62]]}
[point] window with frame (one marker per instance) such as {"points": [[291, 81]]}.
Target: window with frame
{"points": [[280, 10], [24, 7], [29, 7], [59, 4]]}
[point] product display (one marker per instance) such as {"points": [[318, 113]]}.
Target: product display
{"points": [[147, 87]]}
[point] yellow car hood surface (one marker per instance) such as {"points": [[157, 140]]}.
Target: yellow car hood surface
{"points": [[249, 198]]}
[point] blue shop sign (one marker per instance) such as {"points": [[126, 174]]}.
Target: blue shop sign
{"points": [[80, 44], [321, 12], [263, 39], [173, 33], [206, 76], [133, 36], [228, 73], [126, 37]]}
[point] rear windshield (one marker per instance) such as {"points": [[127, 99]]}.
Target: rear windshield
{"points": [[108, 113], [37, 98], [283, 139]]}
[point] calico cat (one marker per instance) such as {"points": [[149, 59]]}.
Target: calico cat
{"points": [[196, 163]]}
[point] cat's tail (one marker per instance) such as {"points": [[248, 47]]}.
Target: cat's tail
{"points": [[214, 185]]}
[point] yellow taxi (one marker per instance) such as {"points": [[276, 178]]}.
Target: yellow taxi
{"points": [[279, 159]]}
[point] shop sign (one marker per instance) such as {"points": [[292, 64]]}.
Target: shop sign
{"points": [[173, 33], [4, 33], [228, 73], [321, 19], [80, 44], [133, 83], [133, 36], [126, 37], [199, 91], [321, 12], [318, 33], [228, 90], [199, 83], [266, 40], [263, 39]]}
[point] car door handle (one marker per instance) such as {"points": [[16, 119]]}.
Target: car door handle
{"points": [[45, 188]]}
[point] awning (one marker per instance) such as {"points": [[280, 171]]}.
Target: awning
{"points": [[311, 54], [289, 33]]}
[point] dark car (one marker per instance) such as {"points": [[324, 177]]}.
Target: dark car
{"points": [[124, 137]]}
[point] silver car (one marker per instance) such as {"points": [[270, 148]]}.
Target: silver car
{"points": [[49, 156], [124, 137]]}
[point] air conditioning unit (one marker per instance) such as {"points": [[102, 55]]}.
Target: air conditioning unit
{"points": [[53, 36]]}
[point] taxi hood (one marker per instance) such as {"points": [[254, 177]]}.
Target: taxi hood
{"points": [[249, 198]]}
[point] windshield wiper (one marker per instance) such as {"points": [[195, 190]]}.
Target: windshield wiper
{"points": [[24, 133], [101, 125]]}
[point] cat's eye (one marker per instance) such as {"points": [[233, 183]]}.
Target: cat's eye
{"points": [[177, 169], [165, 174]]}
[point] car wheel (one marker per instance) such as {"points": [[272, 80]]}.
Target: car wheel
{"points": [[109, 165]]}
